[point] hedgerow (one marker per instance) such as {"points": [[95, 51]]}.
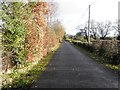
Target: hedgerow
{"points": [[107, 49], [27, 36]]}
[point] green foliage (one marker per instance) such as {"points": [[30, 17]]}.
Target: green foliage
{"points": [[114, 67], [14, 31], [79, 37], [26, 39], [23, 81], [108, 50], [112, 63]]}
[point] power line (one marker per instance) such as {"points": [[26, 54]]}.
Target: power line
{"points": [[84, 13], [81, 17], [93, 2]]}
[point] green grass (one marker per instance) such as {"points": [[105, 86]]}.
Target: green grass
{"points": [[97, 58], [21, 78], [25, 80]]}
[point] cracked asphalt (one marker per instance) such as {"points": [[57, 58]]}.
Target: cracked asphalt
{"points": [[70, 68]]}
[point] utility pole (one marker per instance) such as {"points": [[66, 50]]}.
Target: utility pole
{"points": [[119, 20], [89, 26]]}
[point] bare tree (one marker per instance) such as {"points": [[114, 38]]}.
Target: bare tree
{"points": [[118, 29], [94, 29], [83, 31], [53, 8], [104, 29], [116, 26], [97, 29], [59, 30]]}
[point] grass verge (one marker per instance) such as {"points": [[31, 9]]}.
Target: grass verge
{"points": [[98, 59], [22, 81]]}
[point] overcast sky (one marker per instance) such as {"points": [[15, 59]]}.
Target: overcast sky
{"points": [[75, 12], [71, 12]]}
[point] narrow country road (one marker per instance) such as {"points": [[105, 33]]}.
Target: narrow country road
{"points": [[70, 68]]}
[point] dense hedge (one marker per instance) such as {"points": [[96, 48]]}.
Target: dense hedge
{"points": [[108, 49], [26, 34]]}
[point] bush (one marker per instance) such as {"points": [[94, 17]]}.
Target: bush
{"points": [[115, 60], [118, 38], [108, 49]]}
